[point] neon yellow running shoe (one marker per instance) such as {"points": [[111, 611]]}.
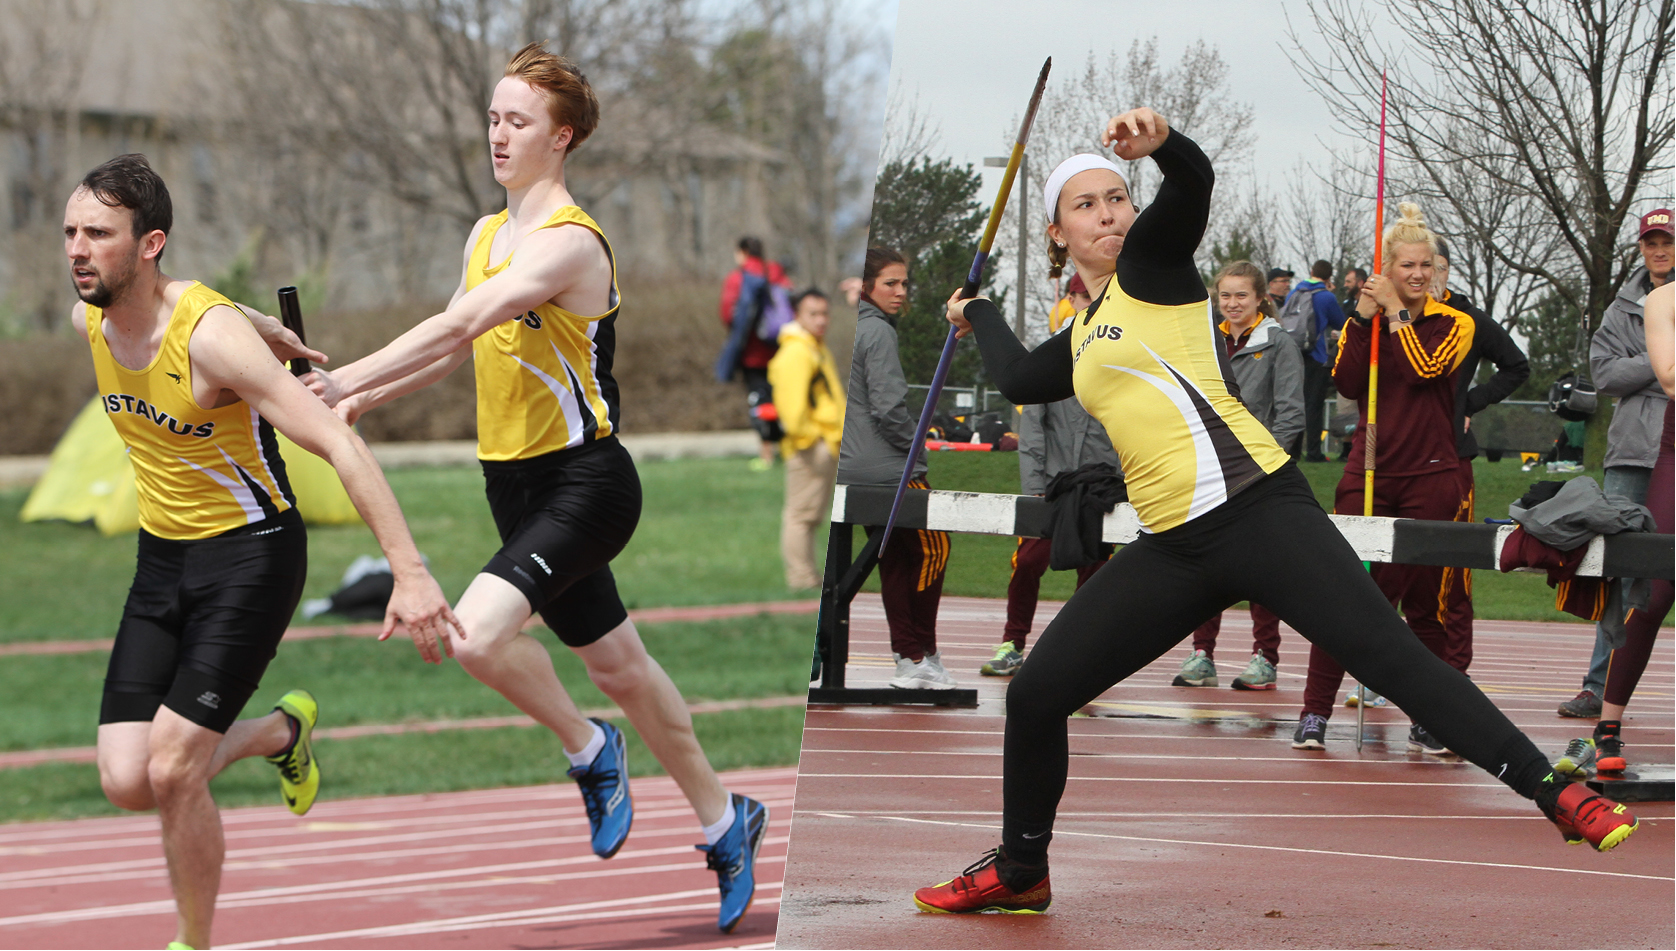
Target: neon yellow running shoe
{"points": [[178, 946], [299, 772]]}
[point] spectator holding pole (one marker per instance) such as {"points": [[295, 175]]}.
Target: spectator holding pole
{"points": [[1416, 461], [1270, 375], [1620, 366], [1312, 315], [1489, 341], [1052, 438], [809, 399], [878, 438]]}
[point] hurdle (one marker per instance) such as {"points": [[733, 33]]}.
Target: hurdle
{"points": [[1399, 541]]}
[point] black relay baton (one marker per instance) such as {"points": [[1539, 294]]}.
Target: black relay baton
{"points": [[291, 315]]}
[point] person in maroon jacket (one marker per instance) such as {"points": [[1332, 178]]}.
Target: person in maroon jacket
{"points": [[754, 364], [1421, 346]]}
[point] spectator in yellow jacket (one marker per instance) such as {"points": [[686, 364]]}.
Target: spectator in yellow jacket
{"points": [[810, 401]]}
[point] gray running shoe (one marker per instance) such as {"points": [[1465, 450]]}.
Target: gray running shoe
{"points": [[1196, 671], [1311, 733], [1005, 663], [1579, 756], [1258, 675], [928, 672], [1352, 698], [1584, 706], [1419, 741]]}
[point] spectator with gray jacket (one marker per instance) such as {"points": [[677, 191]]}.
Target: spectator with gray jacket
{"points": [[1268, 372], [878, 439], [1620, 367], [1052, 438]]}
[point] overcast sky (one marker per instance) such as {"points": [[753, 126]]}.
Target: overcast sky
{"points": [[971, 64]]}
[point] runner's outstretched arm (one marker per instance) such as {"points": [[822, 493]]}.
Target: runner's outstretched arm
{"points": [[228, 354], [546, 266]]}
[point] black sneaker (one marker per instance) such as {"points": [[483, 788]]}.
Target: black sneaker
{"points": [[1311, 733], [1419, 741], [1584, 706], [1609, 757]]}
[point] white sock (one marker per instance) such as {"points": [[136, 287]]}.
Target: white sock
{"points": [[714, 831], [585, 758]]}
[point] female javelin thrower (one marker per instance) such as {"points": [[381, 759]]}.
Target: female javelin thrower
{"points": [[1210, 486]]}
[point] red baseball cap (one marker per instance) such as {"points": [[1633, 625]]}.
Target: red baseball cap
{"points": [[1659, 219]]}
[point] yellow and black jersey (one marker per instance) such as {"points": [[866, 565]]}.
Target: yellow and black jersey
{"points": [[1156, 376], [198, 472], [543, 378]]}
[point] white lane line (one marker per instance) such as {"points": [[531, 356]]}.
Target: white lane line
{"points": [[1101, 814], [967, 777], [154, 867], [557, 914], [259, 858], [413, 883], [1281, 848], [1153, 757]]}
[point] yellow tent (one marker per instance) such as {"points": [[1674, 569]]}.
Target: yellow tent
{"points": [[89, 479]]}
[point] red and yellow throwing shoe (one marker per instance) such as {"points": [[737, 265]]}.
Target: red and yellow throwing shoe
{"points": [[980, 888], [1584, 816]]}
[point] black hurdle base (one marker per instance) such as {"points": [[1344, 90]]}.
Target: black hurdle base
{"points": [[1654, 782], [832, 633], [889, 696]]}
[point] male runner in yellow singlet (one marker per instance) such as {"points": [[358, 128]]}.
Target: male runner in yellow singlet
{"points": [[538, 306], [196, 394]]}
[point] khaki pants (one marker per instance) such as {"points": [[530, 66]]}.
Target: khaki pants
{"points": [[810, 475]]}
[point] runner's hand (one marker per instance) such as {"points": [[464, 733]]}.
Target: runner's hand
{"points": [[324, 386], [1135, 134], [284, 344], [350, 409], [957, 313], [418, 604]]}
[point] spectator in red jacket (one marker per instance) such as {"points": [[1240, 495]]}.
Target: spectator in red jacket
{"points": [[754, 363]]}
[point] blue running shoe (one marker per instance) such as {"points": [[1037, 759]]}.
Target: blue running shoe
{"points": [[734, 860], [605, 792]]}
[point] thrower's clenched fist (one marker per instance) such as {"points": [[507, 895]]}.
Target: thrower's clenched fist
{"points": [[1135, 134]]}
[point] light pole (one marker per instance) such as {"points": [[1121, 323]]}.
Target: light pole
{"points": [[1023, 230]]}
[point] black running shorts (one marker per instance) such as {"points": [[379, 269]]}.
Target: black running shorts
{"points": [[562, 517], [203, 620]]}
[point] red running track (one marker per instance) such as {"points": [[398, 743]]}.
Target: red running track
{"points": [[493, 868], [1189, 821]]}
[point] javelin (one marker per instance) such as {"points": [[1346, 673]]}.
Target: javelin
{"points": [[1369, 443], [970, 289]]}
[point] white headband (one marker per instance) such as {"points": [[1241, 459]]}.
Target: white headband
{"points": [[1062, 174]]}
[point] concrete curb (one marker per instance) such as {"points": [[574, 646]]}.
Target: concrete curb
{"points": [[26, 470]]}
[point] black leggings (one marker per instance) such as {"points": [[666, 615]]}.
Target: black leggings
{"points": [[1271, 544]]}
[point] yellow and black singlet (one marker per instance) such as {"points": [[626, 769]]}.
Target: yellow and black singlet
{"points": [[1154, 376], [1146, 360], [198, 472], [544, 378]]}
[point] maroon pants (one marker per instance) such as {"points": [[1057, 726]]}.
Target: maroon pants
{"points": [[1623, 670], [911, 585], [1456, 584], [1265, 634], [1417, 589], [1030, 562]]}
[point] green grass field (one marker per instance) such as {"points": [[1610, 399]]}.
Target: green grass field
{"points": [[709, 535]]}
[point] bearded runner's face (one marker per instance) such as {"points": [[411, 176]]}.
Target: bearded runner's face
{"points": [[523, 145], [104, 253]]}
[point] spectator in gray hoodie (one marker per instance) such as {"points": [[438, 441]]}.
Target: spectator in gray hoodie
{"points": [[878, 437], [1268, 372], [1619, 365]]}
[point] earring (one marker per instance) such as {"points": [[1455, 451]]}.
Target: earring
{"points": [[1061, 244]]}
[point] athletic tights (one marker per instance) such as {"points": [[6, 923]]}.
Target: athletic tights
{"points": [[1143, 601], [1641, 629]]}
